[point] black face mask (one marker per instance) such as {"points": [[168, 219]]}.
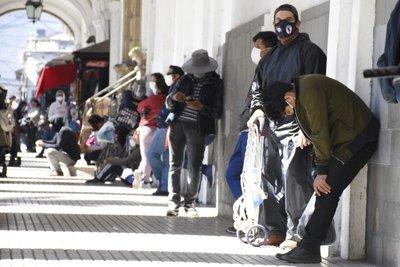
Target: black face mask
{"points": [[285, 29]]}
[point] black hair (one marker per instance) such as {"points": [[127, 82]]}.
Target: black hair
{"points": [[57, 124], [160, 82], [175, 70], [290, 8], [95, 119], [269, 38], [274, 100], [36, 101]]}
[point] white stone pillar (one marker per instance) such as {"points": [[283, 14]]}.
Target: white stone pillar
{"points": [[360, 58], [350, 49], [100, 34], [115, 37]]}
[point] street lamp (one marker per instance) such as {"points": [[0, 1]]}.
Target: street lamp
{"points": [[34, 9]]}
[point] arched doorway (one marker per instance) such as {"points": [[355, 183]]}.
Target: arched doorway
{"points": [[28, 47], [77, 14]]}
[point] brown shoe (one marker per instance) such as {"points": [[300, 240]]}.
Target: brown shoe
{"points": [[275, 239]]}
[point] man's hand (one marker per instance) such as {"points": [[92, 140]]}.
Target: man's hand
{"points": [[179, 97], [255, 117], [303, 141], [39, 143], [321, 186], [195, 104]]}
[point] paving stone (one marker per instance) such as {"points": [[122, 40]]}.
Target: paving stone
{"points": [[67, 195]]}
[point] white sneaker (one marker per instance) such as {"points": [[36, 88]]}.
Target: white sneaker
{"points": [[191, 211], [145, 185], [137, 176]]}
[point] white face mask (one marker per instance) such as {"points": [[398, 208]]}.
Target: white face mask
{"points": [[14, 105], [60, 99], [153, 87], [256, 55], [168, 80]]}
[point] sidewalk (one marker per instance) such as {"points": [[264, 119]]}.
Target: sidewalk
{"points": [[60, 221]]}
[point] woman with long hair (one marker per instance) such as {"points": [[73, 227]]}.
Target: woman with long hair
{"points": [[148, 110]]}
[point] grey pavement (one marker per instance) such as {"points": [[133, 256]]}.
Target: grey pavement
{"points": [[60, 221]]}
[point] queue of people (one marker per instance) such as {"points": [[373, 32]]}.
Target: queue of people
{"points": [[319, 135]]}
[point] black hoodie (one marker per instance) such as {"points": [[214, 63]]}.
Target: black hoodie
{"points": [[284, 63]]}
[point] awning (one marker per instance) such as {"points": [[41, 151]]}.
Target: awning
{"points": [[97, 64], [54, 77], [100, 51]]}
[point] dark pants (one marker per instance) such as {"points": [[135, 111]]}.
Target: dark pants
{"points": [[185, 135], [289, 178], [92, 156], [339, 177], [109, 173], [235, 166], [16, 141]]}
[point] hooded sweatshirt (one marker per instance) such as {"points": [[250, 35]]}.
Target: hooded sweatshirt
{"points": [[284, 63], [58, 110]]}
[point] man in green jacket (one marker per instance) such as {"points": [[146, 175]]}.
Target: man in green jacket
{"points": [[344, 134]]}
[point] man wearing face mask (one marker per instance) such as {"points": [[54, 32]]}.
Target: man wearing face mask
{"points": [[199, 96], [288, 168], [344, 133], [158, 153], [263, 42], [58, 109]]}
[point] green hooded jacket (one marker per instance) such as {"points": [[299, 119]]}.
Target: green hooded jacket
{"points": [[334, 118]]}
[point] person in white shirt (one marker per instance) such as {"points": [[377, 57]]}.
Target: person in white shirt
{"points": [[58, 109]]}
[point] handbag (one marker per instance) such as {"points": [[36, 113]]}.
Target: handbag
{"points": [[127, 118], [6, 121]]}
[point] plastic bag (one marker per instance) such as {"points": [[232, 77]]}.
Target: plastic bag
{"points": [[203, 190], [106, 133]]}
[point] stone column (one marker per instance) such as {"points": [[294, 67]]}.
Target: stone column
{"points": [[115, 37], [350, 48]]}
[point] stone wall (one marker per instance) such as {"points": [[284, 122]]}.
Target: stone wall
{"points": [[238, 72], [383, 230]]}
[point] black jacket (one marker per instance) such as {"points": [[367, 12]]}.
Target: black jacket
{"points": [[210, 96], [284, 63], [65, 140], [391, 56]]}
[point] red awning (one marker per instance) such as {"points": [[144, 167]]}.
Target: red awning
{"points": [[54, 77]]}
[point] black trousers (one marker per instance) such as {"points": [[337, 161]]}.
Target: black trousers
{"points": [[92, 156], [185, 136], [339, 177]]}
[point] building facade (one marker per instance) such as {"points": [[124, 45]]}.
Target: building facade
{"points": [[41, 49], [351, 32]]}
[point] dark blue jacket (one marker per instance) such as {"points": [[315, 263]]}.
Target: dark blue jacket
{"points": [[391, 56]]}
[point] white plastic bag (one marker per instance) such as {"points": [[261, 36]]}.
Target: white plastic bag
{"points": [[203, 190]]}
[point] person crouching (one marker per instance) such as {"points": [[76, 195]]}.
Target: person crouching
{"points": [[63, 148]]}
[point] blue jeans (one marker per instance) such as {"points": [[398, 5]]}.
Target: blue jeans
{"points": [[235, 166], [158, 157]]}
